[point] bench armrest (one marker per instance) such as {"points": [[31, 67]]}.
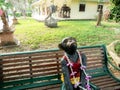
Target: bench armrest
{"points": [[113, 70], [115, 67]]}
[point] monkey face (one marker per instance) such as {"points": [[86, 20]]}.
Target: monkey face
{"points": [[69, 45]]}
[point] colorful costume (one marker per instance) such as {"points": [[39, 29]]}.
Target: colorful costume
{"points": [[72, 74], [75, 68]]}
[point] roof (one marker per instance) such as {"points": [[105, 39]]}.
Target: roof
{"points": [[40, 2], [97, 0]]}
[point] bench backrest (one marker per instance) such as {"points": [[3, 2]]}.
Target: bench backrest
{"points": [[28, 66], [96, 59], [33, 64]]}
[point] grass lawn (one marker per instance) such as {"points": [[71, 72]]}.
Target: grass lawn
{"points": [[35, 35]]}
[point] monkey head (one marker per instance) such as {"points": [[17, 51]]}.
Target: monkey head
{"points": [[69, 45]]}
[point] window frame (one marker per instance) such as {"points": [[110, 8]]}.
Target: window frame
{"points": [[82, 7]]}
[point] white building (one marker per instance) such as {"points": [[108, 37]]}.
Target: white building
{"points": [[80, 9]]}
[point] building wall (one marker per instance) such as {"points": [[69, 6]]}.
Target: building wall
{"points": [[89, 13]]}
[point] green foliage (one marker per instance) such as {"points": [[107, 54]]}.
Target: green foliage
{"points": [[117, 48], [29, 14], [1, 3], [115, 11], [116, 2], [18, 14]]}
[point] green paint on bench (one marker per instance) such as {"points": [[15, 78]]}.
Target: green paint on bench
{"points": [[32, 80], [31, 83], [34, 85]]}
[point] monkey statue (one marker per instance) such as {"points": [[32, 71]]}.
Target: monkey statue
{"points": [[73, 66], [65, 11], [49, 20], [4, 20]]}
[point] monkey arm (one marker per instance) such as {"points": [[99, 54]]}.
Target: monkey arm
{"points": [[65, 71]]}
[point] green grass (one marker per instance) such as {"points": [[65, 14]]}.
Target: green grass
{"points": [[35, 35], [117, 48]]}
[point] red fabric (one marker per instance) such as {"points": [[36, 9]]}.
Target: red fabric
{"points": [[75, 67]]}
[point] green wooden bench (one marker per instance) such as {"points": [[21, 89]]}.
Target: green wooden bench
{"points": [[41, 69], [99, 67]]}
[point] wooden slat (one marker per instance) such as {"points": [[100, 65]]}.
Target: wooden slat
{"points": [[14, 60], [27, 67], [110, 85], [29, 76], [95, 62], [91, 49], [51, 87], [42, 56], [28, 71], [104, 81], [95, 65], [27, 63], [27, 58], [95, 58], [39, 61], [100, 78]]}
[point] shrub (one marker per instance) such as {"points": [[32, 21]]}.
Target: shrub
{"points": [[17, 14], [117, 48], [28, 14]]}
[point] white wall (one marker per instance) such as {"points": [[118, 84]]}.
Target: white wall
{"points": [[89, 13]]}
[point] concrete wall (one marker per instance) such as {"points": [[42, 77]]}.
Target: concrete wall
{"points": [[89, 13]]}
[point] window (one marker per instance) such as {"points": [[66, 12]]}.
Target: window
{"points": [[82, 7], [99, 6]]}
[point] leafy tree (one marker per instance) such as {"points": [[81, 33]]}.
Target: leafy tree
{"points": [[21, 5], [1, 2], [116, 2], [115, 11], [4, 6]]}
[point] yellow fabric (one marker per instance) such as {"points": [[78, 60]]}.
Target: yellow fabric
{"points": [[72, 79]]}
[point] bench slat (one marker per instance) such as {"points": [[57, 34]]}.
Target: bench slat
{"points": [[27, 72], [29, 76]]}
